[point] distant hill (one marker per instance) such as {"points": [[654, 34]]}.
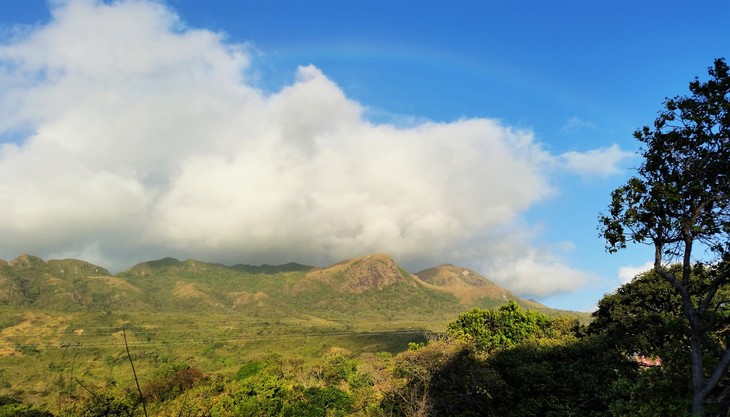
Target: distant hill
{"points": [[368, 287], [470, 287], [57, 284]]}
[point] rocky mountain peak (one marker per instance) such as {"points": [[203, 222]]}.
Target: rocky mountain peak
{"points": [[27, 261], [372, 272]]}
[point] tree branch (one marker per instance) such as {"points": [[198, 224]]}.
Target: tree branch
{"points": [[717, 374], [712, 290]]}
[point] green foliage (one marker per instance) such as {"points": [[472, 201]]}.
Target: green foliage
{"points": [[22, 410], [416, 345], [263, 390], [509, 326], [682, 191], [101, 404], [317, 402], [507, 362], [250, 369], [645, 316], [553, 378], [338, 369], [440, 378], [261, 396], [653, 392]]}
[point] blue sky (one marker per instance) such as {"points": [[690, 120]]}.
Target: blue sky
{"points": [[557, 88]]}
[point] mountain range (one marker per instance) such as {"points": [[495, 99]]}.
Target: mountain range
{"points": [[372, 286]]}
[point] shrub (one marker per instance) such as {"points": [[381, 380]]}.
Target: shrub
{"points": [[317, 402], [168, 387], [22, 410]]}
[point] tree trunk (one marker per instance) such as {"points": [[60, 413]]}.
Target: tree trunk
{"points": [[698, 380]]}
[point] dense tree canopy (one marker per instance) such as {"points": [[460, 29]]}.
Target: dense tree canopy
{"points": [[506, 327], [643, 317]]}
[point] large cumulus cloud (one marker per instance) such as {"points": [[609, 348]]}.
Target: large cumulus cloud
{"points": [[129, 136]]}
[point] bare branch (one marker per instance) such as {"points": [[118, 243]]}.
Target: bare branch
{"points": [[134, 372], [712, 290]]}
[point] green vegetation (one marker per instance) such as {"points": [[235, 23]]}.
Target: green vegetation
{"points": [[496, 362], [493, 330], [481, 362], [679, 204], [508, 362]]}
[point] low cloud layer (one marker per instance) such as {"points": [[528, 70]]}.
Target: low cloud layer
{"points": [[129, 136]]}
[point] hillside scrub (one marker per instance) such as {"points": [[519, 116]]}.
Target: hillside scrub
{"points": [[510, 362], [497, 362]]}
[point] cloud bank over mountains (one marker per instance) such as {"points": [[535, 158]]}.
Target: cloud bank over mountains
{"points": [[128, 136]]}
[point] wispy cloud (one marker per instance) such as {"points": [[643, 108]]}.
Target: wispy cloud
{"points": [[148, 140], [576, 124]]}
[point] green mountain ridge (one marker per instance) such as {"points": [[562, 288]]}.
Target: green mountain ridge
{"points": [[369, 286]]}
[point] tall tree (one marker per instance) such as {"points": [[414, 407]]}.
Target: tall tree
{"points": [[679, 203]]}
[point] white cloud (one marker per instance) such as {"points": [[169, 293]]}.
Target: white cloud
{"points": [[601, 162], [531, 271], [627, 273], [147, 140]]}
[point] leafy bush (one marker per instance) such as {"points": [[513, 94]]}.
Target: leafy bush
{"points": [[100, 404], [260, 396], [22, 410], [250, 369], [317, 402], [338, 369], [509, 326], [167, 387]]}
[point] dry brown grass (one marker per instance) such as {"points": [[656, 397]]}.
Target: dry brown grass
{"points": [[189, 291], [465, 293], [115, 282], [37, 328]]}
